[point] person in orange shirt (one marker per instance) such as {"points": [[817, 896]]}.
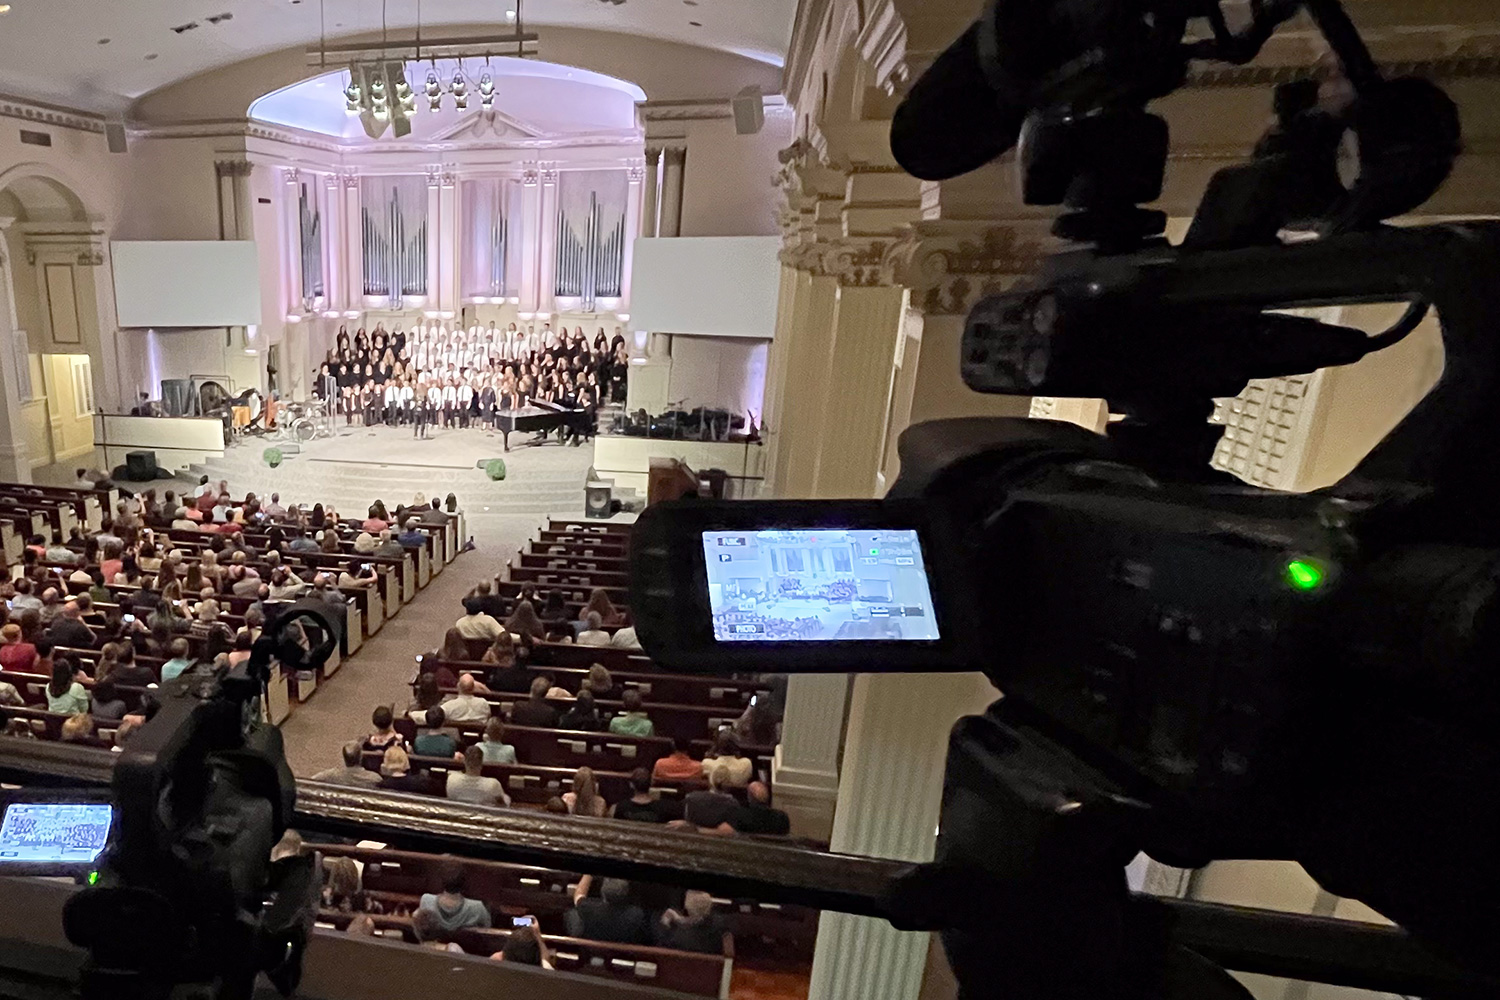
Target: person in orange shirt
{"points": [[677, 766]]}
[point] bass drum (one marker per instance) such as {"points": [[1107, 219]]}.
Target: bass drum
{"points": [[304, 429]]}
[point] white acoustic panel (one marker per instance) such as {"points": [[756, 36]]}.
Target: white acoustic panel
{"points": [[719, 286], [186, 283]]}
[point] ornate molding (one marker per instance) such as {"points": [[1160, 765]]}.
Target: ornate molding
{"points": [[550, 173], [434, 175], [450, 175], [531, 174], [950, 265], [635, 173], [47, 114], [291, 175], [233, 168], [91, 258], [857, 262]]}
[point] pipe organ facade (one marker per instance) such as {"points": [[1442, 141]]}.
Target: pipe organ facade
{"points": [[443, 238]]}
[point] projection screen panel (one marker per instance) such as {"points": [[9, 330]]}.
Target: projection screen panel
{"points": [[720, 286], [186, 283]]}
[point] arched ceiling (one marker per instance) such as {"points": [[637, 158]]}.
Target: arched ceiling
{"points": [[53, 50]]}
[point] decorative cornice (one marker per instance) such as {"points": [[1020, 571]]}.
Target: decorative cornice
{"points": [[49, 114], [233, 168], [951, 265]]}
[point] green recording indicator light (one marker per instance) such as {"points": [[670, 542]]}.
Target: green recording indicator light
{"points": [[1305, 575], [94, 877]]}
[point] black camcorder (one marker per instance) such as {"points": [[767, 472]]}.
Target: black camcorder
{"points": [[1191, 666]]}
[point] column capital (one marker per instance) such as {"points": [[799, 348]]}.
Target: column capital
{"points": [[291, 175], [531, 173], [351, 179], [653, 155], [550, 173], [434, 174], [856, 261], [950, 265], [232, 168], [332, 181], [676, 155]]}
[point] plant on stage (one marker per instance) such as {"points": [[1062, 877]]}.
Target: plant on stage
{"points": [[495, 468], [272, 456]]}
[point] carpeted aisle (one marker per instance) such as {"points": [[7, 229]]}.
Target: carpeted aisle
{"points": [[381, 672]]}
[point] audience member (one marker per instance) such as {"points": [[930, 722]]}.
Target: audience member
{"points": [[726, 753], [584, 799], [353, 773], [413, 537], [599, 681], [129, 673], [68, 628], [64, 693], [524, 621], [614, 916], [592, 634], [642, 806], [466, 706], [535, 711], [108, 705], [554, 805], [695, 928], [711, 811], [525, 946], [427, 696], [385, 734], [600, 604], [434, 742], [486, 600], [179, 663], [677, 765], [472, 786], [475, 622], [493, 746], [453, 910], [396, 774], [16, 654], [634, 721], [584, 715], [757, 815], [77, 727], [343, 889]]}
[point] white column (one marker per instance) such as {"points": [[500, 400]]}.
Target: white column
{"points": [[635, 174], [890, 791], [805, 769], [448, 212], [671, 197], [291, 243], [15, 465], [547, 243], [651, 210], [434, 236], [333, 240], [354, 248], [531, 225]]}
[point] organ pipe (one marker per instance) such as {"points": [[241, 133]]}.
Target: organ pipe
{"points": [[590, 265]]}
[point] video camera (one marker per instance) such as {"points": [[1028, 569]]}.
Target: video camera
{"points": [[1191, 667], [180, 886]]}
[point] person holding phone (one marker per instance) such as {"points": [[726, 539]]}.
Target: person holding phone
{"points": [[525, 945]]}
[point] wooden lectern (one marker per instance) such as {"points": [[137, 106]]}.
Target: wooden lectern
{"points": [[668, 479]]}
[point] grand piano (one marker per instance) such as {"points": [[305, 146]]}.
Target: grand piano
{"points": [[537, 419]]}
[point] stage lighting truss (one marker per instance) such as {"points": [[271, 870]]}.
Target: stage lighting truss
{"points": [[381, 93]]}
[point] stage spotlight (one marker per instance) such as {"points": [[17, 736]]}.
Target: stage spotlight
{"points": [[460, 90], [352, 95], [486, 90], [434, 91]]}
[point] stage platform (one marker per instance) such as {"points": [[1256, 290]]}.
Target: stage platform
{"points": [[362, 464]]}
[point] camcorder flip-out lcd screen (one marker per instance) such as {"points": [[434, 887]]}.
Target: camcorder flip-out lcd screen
{"points": [[53, 832], [792, 586], [818, 585]]}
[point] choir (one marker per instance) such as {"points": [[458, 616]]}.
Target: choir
{"points": [[464, 377]]}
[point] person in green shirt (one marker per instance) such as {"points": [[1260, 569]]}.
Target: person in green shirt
{"points": [[179, 663], [64, 693], [434, 742], [634, 722]]}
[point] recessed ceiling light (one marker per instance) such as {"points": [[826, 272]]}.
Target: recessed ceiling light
{"points": [[104, 41], [510, 15], [150, 56], [4, 8], [696, 24]]}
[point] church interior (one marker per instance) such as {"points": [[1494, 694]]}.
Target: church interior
{"points": [[409, 312]]}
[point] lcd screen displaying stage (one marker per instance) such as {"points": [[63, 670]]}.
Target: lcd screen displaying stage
{"points": [[818, 585], [53, 832]]}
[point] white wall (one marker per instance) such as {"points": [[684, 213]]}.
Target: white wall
{"points": [[711, 286], [729, 186], [726, 373]]}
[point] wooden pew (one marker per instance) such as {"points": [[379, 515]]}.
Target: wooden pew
{"points": [[659, 968], [563, 560], [588, 526], [567, 748], [545, 578], [529, 784], [602, 544], [710, 692]]}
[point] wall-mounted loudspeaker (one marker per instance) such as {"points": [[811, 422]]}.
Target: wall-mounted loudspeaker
{"points": [[749, 111], [114, 135]]}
